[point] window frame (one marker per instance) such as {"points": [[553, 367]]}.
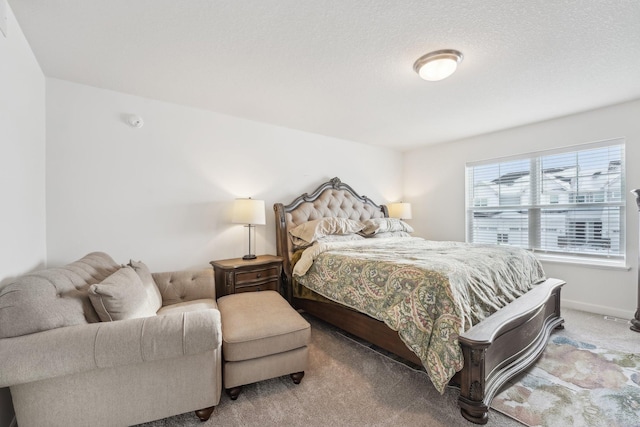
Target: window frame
{"points": [[535, 208]]}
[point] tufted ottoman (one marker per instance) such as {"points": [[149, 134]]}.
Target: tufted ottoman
{"points": [[262, 337]]}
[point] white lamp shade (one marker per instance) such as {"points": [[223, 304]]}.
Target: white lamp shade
{"points": [[248, 211], [400, 210]]}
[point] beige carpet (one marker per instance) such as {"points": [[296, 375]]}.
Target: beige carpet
{"points": [[349, 384]]}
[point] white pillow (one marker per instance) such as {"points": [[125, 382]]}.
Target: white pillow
{"points": [[389, 234], [121, 296], [311, 231], [153, 293], [340, 238], [385, 225]]}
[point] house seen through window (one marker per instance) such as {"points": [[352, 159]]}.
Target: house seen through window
{"points": [[566, 202]]}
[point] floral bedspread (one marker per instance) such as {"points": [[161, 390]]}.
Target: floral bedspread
{"points": [[428, 291]]}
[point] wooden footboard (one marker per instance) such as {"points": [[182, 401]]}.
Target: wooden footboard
{"points": [[495, 350], [505, 344]]}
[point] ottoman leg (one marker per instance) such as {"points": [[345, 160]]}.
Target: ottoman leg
{"points": [[234, 392], [297, 377]]}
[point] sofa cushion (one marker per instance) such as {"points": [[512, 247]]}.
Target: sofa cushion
{"points": [[153, 293], [184, 307], [121, 296], [53, 298]]}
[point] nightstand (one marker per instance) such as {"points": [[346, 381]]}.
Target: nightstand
{"points": [[237, 275]]}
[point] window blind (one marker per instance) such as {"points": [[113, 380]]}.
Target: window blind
{"points": [[565, 202]]}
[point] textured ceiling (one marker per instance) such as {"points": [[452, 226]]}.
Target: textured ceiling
{"points": [[344, 68]]}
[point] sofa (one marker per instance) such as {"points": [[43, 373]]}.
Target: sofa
{"points": [[102, 344]]}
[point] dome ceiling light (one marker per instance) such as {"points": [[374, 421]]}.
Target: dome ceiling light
{"points": [[438, 65]]}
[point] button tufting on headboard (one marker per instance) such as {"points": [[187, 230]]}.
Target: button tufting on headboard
{"points": [[331, 199]]}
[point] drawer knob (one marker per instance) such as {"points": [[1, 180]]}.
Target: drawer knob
{"points": [[259, 275]]}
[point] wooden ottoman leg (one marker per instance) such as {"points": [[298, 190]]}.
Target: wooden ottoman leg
{"points": [[297, 377], [234, 392], [205, 413]]}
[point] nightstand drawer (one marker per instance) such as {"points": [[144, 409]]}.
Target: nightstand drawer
{"points": [[252, 276], [264, 286], [241, 275]]}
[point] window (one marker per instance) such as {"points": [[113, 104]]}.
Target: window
{"points": [[566, 202]]}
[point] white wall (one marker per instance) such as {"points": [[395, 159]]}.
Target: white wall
{"points": [[163, 193], [434, 181], [22, 166]]}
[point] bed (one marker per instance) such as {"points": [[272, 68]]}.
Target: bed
{"points": [[494, 345]]}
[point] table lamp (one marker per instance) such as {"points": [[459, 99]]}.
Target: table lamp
{"points": [[400, 210], [251, 213]]}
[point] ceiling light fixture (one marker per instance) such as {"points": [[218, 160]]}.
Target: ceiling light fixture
{"points": [[438, 65]]}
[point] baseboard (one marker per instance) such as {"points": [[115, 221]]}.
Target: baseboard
{"points": [[598, 309]]}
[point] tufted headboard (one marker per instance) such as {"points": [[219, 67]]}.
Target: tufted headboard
{"points": [[331, 199]]}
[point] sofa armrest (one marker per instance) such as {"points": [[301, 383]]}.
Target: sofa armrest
{"points": [[187, 285], [80, 348]]}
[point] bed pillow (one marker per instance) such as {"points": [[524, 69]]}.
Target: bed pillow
{"points": [[389, 234], [311, 231], [385, 225], [341, 238], [121, 296]]}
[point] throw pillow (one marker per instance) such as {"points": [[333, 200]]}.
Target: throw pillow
{"points": [[121, 296], [155, 298]]}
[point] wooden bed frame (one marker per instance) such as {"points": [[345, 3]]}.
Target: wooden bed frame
{"points": [[495, 350]]}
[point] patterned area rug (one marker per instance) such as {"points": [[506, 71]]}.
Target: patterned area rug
{"points": [[575, 384]]}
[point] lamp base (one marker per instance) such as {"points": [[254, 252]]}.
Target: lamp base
{"points": [[249, 257]]}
